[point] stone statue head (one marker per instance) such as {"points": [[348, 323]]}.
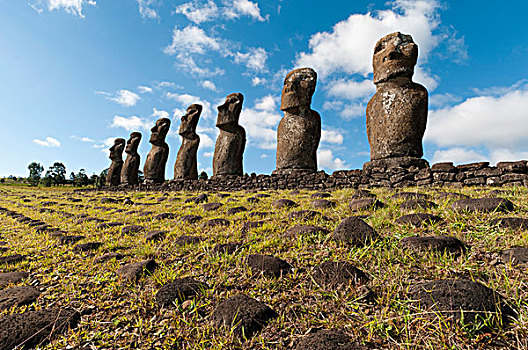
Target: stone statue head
{"points": [[133, 143], [395, 56], [299, 87], [190, 120], [116, 151], [159, 131], [229, 112]]}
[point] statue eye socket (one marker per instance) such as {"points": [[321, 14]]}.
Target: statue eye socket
{"points": [[378, 48]]}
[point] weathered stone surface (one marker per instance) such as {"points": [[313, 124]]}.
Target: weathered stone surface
{"points": [[12, 259], [443, 167], [409, 195], [268, 265], [323, 204], [305, 230], [130, 171], [164, 216], [108, 256], [248, 315], [321, 195], [86, 247], [248, 226], [32, 328], [156, 235], [186, 166], [418, 219], [304, 214], [113, 177], [154, 168], [450, 195], [452, 297], [134, 271], [216, 222], [185, 240], [511, 223], [299, 132], [513, 167], [236, 210], [231, 142], [180, 289], [516, 255], [132, 229], [412, 204], [12, 277], [281, 203], [334, 274], [483, 205], [17, 296], [191, 219], [227, 248], [397, 113], [211, 206], [328, 340], [365, 204], [472, 166], [434, 243], [358, 194], [354, 231]]}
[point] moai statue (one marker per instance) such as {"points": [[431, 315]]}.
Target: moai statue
{"points": [[231, 142], [299, 132], [154, 168], [129, 174], [186, 167], [397, 113], [113, 176]]}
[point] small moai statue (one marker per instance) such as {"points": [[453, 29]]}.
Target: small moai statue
{"points": [[397, 113], [113, 177], [186, 167], [129, 173], [231, 142], [299, 132], [154, 168]]}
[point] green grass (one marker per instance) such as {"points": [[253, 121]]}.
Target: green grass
{"points": [[122, 315]]}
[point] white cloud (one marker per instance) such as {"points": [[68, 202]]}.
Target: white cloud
{"points": [[349, 46], [326, 160], [103, 145], [198, 13], [123, 97], [191, 39], [458, 155], [144, 89], [258, 81], [159, 113], [263, 156], [186, 100], [206, 142], [208, 84], [255, 59], [87, 139], [261, 122], [351, 90], [187, 63], [130, 123], [238, 8], [331, 136], [441, 100], [74, 7], [47, 142], [208, 154], [145, 10]]}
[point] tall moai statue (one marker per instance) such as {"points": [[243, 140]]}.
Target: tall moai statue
{"points": [[129, 173], [299, 132], [154, 168], [113, 177], [231, 142], [397, 113], [186, 167]]}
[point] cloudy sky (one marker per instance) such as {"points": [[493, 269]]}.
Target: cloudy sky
{"points": [[75, 74]]}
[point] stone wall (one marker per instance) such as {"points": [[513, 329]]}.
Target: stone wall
{"points": [[440, 174]]}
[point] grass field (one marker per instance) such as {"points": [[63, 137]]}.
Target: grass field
{"points": [[121, 314]]}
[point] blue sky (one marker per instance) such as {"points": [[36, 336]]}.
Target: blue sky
{"points": [[75, 74]]}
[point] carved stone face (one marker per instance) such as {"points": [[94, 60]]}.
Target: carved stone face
{"points": [[229, 112], [395, 55], [116, 151], [133, 143], [190, 120], [159, 131], [299, 87]]}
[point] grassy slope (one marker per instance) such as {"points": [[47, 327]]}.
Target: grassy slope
{"points": [[124, 315]]}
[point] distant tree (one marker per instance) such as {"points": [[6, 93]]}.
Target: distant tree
{"points": [[35, 172], [93, 179], [58, 173], [2, 180], [102, 179], [203, 176], [72, 176], [81, 179], [47, 180]]}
